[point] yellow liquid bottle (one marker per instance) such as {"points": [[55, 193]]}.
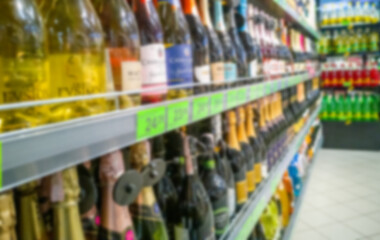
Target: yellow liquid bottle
{"points": [[23, 64], [76, 56], [7, 217]]}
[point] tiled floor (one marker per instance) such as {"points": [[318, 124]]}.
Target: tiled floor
{"points": [[342, 200]]}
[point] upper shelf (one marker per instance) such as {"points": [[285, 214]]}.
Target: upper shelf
{"points": [[34, 153], [280, 8]]}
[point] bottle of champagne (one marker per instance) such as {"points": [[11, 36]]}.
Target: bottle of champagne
{"points": [[146, 214], [215, 185], [30, 223], [167, 196], [122, 48], [230, 58], [241, 56], [152, 51], [24, 66], [64, 195], [255, 20], [115, 223], [196, 219], [200, 46], [216, 49], [262, 134], [177, 40], [236, 160], [90, 216], [256, 143], [77, 64], [246, 150], [7, 217], [250, 47]]}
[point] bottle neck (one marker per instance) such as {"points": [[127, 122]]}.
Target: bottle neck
{"points": [[232, 139], [242, 10], [217, 15], [188, 158], [229, 18], [174, 3], [204, 13], [190, 7], [249, 122]]}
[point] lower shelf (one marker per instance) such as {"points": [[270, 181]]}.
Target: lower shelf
{"points": [[353, 136], [289, 230], [247, 217]]}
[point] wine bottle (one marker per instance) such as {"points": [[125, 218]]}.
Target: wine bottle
{"points": [[146, 214], [254, 20], [255, 143], [167, 196], [241, 56], [77, 64], [259, 124], [230, 59], [24, 67], [152, 51], [122, 48], [196, 219], [215, 185], [64, 195], [236, 160], [250, 47], [7, 217], [177, 40], [115, 223], [89, 216], [246, 150], [200, 46], [30, 223], [216, 49]]}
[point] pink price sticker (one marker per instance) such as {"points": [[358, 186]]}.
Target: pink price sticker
{"points": [[129, 235], [97, 220]]}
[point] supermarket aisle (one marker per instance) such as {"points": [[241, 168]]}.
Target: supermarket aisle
{"points": [[342, 200]]}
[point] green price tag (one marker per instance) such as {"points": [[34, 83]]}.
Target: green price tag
{"points": [[268, 88], [200, 108], [232, 98], [150, 122], [217, 103], [178, 115], [241, 96], [254, 92], [262, 89]]}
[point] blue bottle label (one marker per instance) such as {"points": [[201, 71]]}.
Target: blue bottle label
{"points": [[179, 64], [230, 72], [242, 11]]}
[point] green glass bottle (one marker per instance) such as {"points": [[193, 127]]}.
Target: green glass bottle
{"points": [[23, 64]]}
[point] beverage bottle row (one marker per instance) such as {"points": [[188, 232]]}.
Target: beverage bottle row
{"points": [[350, 74], [276, 216], [212, 167], [81, 47], [350, 12], [360, 40], [359, 107]]}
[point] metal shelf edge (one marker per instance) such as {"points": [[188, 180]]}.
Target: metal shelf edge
{"points": [[251, 211], [34, 153]]}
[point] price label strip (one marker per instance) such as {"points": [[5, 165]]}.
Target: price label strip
{"points": [[254, 92], [217, 103], [178, 115], [241, 97], [275, 183], [232, 98], [252, 220], [201, 108], [150, 122]]}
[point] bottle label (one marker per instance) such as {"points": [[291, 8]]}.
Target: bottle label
{"points": [[153, 64], [241, 192], [78, 74], [231, 201], [253, 69], [251, 181], [230, 72], [258, 174], [221, 214], [179, 64], [181, 233], [217, 72], [202, 74]]}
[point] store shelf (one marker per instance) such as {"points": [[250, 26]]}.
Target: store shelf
{"points": [[280, 8], [349, 26], [30, 154], [293, 219], [246, 219]]}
